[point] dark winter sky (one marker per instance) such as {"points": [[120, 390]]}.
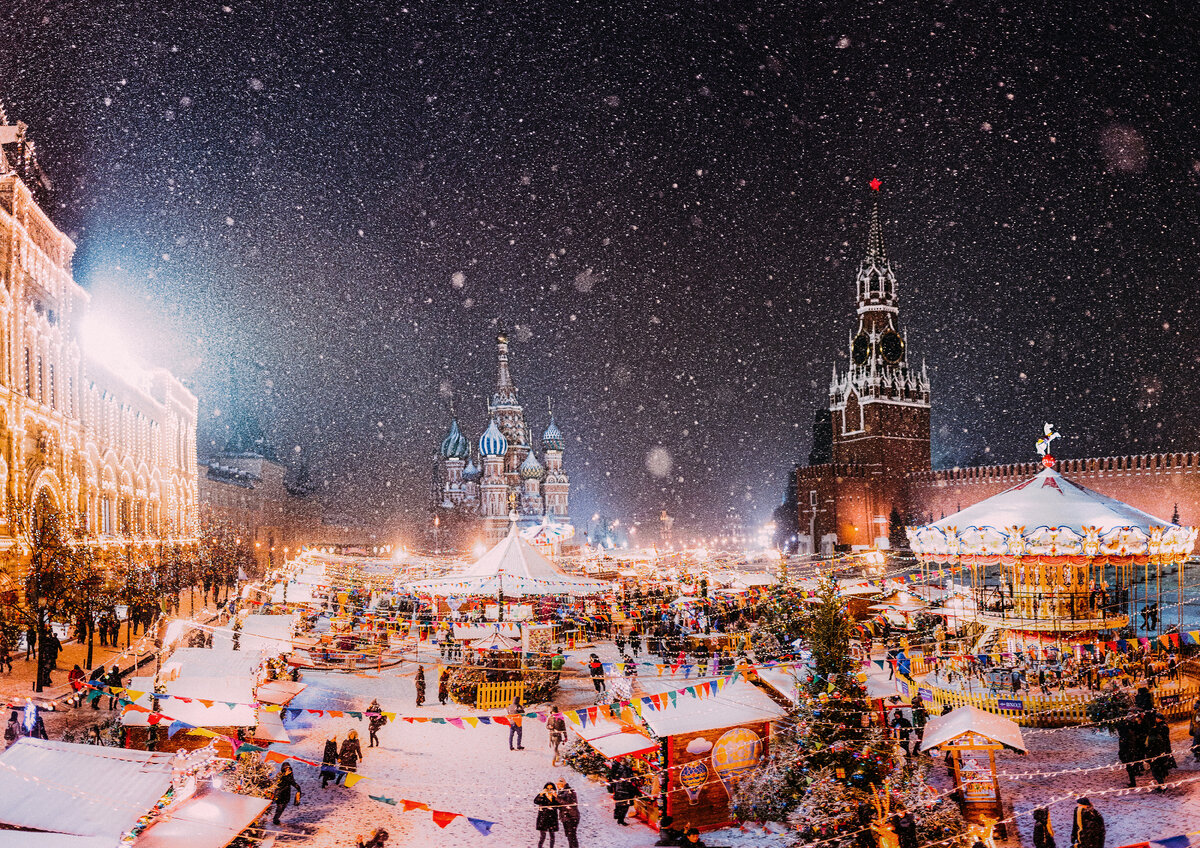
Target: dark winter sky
{"points": [[664, 203]]}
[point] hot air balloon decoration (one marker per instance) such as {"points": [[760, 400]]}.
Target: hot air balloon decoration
{"points": [[735, 755], [692, 778]]}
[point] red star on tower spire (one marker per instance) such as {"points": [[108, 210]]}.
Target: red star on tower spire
{"points": [[875, 184]]}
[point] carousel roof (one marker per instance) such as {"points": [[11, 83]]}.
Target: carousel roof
{"points": [[514, 568], [1051, 516]]}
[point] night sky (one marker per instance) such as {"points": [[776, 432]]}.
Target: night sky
{"points": [[337, 205]]}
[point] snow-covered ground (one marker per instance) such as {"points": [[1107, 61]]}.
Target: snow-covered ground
{"points": [[469, 771]]}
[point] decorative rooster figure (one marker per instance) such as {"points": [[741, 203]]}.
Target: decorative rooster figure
{"points": [[1043, 444]]}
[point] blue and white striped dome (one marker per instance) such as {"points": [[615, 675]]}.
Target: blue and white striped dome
{"points": [[553, 439], [492, 442], [531, 469], [455, 445]]}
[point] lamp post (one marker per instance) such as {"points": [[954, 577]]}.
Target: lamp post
{"points": [[39, 674]]}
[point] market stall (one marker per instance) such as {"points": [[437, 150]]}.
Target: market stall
{"points": [[972, 737], [707, 744], [65, 795]]}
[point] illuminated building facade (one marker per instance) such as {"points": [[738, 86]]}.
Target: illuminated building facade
{"points": [[105, 442]]}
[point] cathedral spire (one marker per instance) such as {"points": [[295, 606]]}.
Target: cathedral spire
{"points": [[503, 377]]}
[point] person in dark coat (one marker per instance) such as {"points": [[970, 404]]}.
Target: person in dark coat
{"points": [[906, 829], [547, 816], [623, 794], [1043, 830], [95, 681], [1131, 747], [596, 669], [902, 726], [444, 686], [420, 685], [329, 764], [568, 812], [1142, 701], [283, 791], [1158, 750], [351, 752], [1087, 831], [113, 681], [668, 834], [375, 721]]}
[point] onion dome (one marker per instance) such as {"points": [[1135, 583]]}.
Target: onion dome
{"points": [[455, 445], [492, 442], [553, 439], [531, 469], [471, 471]]}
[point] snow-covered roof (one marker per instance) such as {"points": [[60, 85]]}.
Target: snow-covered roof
{"points": [[738, 703], [211, 819], [496, 641], [84, 790], [968, 719], [1048, 514], [784, 680], [211, 662], [613, 739], [515, 568], [238, 690]]}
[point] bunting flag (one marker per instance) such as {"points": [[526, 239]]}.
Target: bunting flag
{"points": [[485, 827], [441, 818], [383, 799]]}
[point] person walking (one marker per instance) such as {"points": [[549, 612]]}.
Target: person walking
{"points": [[329, 764], [1087, 830], [568, 812], [556, 725], [283, 791], [1194, 731], [596, 668], [94, 684], [1158, 750], [30, 642], [516, 715], [5, 655], [1043, 830], [350, 753], [905, 827], [113, 681], [444, 686], [375, 721], [547, 814], [13, 730], [623, 794], [1131, 747], [420, 685]]}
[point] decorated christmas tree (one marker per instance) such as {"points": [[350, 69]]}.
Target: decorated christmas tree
{"points": [[833, 745]]}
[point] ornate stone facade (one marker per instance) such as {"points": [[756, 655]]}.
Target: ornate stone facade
{"points": [[106, 442]]}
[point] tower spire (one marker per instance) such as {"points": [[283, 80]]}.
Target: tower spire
{"points": [[875, 248]]}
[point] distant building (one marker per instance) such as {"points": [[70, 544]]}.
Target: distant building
{"points": [[478, 493], [871, 446], [247, 492], [104, 441]]}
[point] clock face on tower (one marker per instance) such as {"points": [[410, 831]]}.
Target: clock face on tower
{"points": [[860, 351], [891, 347]]}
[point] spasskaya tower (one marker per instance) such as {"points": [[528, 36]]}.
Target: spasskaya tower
{"points": [[879, 417]]}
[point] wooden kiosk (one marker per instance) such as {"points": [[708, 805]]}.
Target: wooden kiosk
{"points": [[972, 737]]}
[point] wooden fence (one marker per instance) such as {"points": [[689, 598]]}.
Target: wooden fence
{"points": [[495, 696], [1029, 710]]}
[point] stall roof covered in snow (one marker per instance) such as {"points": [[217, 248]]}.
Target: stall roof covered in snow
{"points": [[968, 719], [513, 568], [84, 790], [614, 739], [238, 690], [211, 662], [1049, 515], [738, 703]]}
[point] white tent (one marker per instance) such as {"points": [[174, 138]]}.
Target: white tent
{"points": [[514, 569]]}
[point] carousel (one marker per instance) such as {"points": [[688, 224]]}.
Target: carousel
{"points": [[1051, 557]]}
